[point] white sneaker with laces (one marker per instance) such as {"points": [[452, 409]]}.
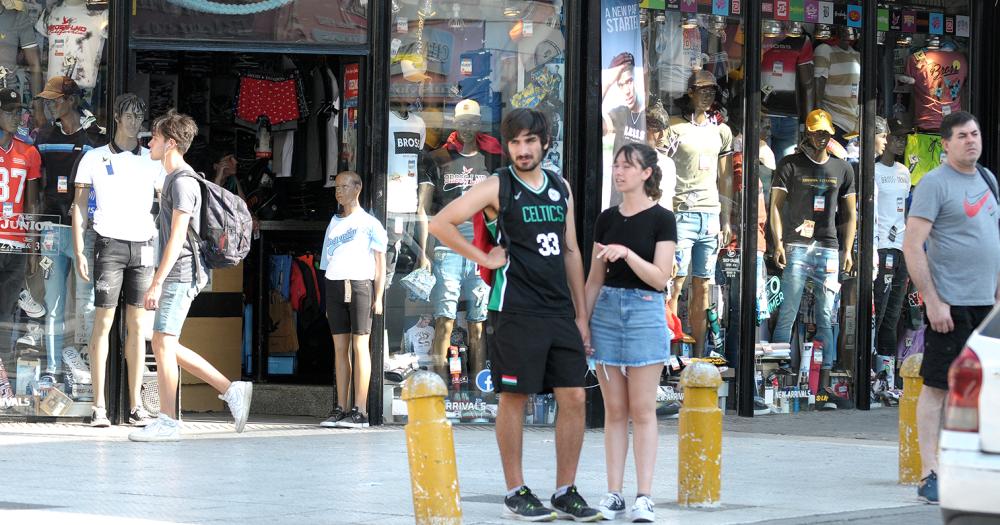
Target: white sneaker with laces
{"points": [[30, 306], [612, 505], [642, 511], [161, 429], [32, 336], [76, 366], [238, 397], [99, 418]]}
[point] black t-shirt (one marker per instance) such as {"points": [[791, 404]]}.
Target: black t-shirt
{"points": [[60, 153], [813, 197], [639, 233], [452, 174]]}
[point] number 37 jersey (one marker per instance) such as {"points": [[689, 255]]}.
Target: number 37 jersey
{"points": [[532, 228], [19, 163]]}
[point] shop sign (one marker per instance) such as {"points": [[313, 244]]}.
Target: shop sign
{"points": [[961, 25], [826, 12], [883, 19], [895, 19], [689, 6], [673, 4], [720, 7], [909, 21], [798, 11], [767, 8], [653, 4], [937, 23], [949, 25], [923, 22], [737, 7], [839, 14], [812, 11], [484, 381], [854, 16], [781, 9], [731, 263], [351, 79], [774, 295]]}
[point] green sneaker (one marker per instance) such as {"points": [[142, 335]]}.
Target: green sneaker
{"points": [[571, 506], [524, 506]]}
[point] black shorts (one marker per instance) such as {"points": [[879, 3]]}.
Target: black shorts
{"points": [[349, 315], [532, 355], [119, 263], [941, 349]]}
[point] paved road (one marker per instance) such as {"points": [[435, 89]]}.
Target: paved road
{"points": [[810, 469]]}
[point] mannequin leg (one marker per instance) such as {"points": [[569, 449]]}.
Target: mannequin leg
{"points": [[442, 339], [793, 281], [700, 288], [362, 371], [477, 349], [342, 362], [675, 292], [135, 352], [103, 318]]}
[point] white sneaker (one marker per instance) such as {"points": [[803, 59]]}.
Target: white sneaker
{"points": [[30, 306], [99, 418], [162, 428], [612, 505], [75, 365], [238, 397], [32, 336], [642, 511]]}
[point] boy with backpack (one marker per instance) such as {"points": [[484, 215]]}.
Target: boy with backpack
{"points": [[187, 253]]}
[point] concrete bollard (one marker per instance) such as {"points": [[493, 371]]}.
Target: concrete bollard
{"points": [[909, 446], [431, 447], [699, 450]]}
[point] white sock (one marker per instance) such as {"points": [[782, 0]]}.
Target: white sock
{"points": [[513, 491], [561, 491]]}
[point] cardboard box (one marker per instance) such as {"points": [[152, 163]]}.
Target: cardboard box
{"points": [[55, 402]]}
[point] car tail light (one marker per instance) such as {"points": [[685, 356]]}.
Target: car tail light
{"points": [[965, 377]]}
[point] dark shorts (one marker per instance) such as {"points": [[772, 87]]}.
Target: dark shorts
{"points": [[117, 264], [532, 355], [941, 349], [349, 315]]}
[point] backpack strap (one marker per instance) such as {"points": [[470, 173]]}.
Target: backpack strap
{"points": [[192, 236], [990, 181]]}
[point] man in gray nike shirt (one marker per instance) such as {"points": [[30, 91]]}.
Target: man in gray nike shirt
{"points": [[955, 211]]}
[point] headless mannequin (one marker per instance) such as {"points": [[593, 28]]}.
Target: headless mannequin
{"points": [[699, 300], [443, 326], [127, 129], [32, 56], [848, 35], [805, 87]]}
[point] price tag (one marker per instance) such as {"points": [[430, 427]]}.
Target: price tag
{"points": [[62, 184], [778, 69], [146, 256], [807, 229], [466, 66], [397, 225], [900, 204], [946, 109], [8, 209], [889, 261], [529, 28], [402, 25], [819, 203]]}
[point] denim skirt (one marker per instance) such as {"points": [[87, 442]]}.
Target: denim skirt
{"points": [[629, 328]]}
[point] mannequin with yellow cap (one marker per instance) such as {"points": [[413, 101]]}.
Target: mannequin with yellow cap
{"points": [[809, 188], [448, 173]]}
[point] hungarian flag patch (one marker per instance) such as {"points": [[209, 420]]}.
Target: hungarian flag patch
{"points": [[508, 380]]}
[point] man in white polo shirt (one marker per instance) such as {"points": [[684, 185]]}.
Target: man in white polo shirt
{"points": [[124, 180]]}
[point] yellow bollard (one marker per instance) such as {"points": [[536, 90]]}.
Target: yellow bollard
{"points": [[909, 446], [431, 446], [699, 437]]}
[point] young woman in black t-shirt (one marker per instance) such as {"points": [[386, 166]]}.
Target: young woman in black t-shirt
{"points": [[633, 257]]}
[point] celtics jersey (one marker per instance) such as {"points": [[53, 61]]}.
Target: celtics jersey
{"points": [[532, 227]]}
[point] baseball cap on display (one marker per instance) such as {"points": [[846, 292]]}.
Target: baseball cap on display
{"points": [[413, 71], [58, 87], [819, 120], [702, 78], [467, 108], [898, 126], [9, 99]]}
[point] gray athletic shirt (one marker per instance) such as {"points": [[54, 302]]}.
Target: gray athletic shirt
{"points": [[963, 250]]}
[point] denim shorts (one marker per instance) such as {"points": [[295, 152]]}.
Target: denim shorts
{"points": [[629, 328], [175, 301], [697, 243], [458, 278], [118, 264]]}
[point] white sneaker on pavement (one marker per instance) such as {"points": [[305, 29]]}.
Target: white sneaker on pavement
{"points": [[238, 397], [99, 417], [161, 429], [642, 511]]}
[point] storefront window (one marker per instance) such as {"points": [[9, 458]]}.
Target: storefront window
{"points": [[342, 22], [673, 79], [455, 68], [53, 78]]}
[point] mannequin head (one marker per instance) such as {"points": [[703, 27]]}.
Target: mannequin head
{"points": [[896, 140], [702, 89], [655, 130], [10, 112], [468, 121], [129, 113], [636, 168], [61, 97], [848, 36], [881, 135], [626, 79], [819, 131], [347, 186]]}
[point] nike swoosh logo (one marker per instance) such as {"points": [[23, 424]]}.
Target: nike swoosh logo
{"points": [[517, 196], [972, 208]]}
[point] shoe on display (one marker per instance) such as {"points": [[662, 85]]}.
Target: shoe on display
{"points": [[571, 506], [99, 418], [336, 416], [31, 307], [612, 505], [32, 336], [524, 506], [161, 429], [760, 408], [238, 397], [927, 491], [354, 419], [642, 511], [139, 417], [75, 366]]}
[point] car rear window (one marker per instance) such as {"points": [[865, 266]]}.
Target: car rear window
{"points": [[991, 326]]}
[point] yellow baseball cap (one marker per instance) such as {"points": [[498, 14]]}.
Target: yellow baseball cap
{"points": [[819, 120]]}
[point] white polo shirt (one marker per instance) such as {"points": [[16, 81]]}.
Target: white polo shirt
{"points": [[124, 183]]}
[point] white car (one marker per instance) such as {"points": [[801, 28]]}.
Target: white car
{"points": [[969, 477]]}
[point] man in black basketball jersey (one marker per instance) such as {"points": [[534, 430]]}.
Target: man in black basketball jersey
{"points": [[537, 324]]}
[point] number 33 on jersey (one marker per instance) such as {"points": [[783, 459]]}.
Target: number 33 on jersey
{"points": [[19, 163]]}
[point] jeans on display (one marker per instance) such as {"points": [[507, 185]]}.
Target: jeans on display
{"points": [[890, 290], [784, 131], [57, 245], [400, 229], [13, 267], [85, 293], [821, 266]]}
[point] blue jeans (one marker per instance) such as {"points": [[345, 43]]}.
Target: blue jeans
{"points": [[57, 245], [822, 266], [784, 132], [458, 278], [697, 243], [85, 293]]}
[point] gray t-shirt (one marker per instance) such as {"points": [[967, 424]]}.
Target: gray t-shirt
{"points": [[963, 250], [182, 193]]}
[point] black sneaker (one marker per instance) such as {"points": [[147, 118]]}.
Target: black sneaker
{"points": [[927, 491], [524, 506], [355, 419], [336, 416], [571, 506]]}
